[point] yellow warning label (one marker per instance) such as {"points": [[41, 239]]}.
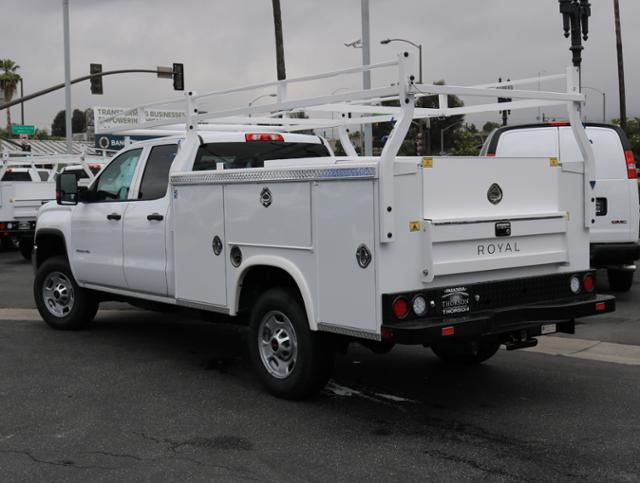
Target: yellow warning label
{"points": [[414, 226], [427, 162], [553, 162]]}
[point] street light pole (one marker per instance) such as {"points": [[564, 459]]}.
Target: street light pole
{"points": [[575, 22], [22, 103], [604, 101], [67, 77], [260, 97], [417, 46], [539, 87], [442, 131], [366, 75]]}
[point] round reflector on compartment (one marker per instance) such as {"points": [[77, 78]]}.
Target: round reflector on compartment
{"points": [[575, 284], [588, 283], [419, 305], [401, 307]]}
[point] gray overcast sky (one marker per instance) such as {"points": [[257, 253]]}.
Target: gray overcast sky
{"points": [[227, 43]]}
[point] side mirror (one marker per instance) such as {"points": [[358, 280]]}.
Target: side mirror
{"points": [[67, 189]]}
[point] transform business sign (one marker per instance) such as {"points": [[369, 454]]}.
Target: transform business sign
{"points": [[109, 119]]}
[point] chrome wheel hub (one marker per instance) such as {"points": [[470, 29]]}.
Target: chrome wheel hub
{"points": [[57, 294], [277, 344]]}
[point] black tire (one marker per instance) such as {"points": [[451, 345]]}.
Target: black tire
{"points": [[26, 247], [620, 280], [55, 274], [466, 353], [6, 243], [314, 354]]}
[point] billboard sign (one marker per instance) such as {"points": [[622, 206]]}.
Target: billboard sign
{"points": [[121, 122]]}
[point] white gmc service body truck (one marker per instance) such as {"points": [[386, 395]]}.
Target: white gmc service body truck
{"points": [[240, 217]]}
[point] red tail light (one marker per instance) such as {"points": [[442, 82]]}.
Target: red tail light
{"points": [[448, 331], [387, 334], [400, 307], [559, 123], [632, 170], [601, 307], [587, 283], [263, 136], [1, 226], [491, 155]]}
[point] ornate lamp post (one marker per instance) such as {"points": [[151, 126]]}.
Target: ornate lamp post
{"points": [[575, 17]]}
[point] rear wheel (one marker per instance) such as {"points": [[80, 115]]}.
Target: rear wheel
{"points": [[620, 280], [60, 301], [26, 246], [289, 359], [466, 353], [6, 243]]}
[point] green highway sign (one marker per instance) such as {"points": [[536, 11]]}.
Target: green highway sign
{"points": [[23, 129]]}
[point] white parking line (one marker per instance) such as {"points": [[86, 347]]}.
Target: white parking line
{"points": [[594, 350], [32, 314]]}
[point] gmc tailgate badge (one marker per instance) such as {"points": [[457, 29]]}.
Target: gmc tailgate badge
{"points": [[494, 195]]}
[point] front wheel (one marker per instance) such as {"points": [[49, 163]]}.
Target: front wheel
{"points": [[60, 301], [289, 359], [466, 353], [620, 280]]}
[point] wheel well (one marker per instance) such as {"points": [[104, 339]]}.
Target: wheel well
{"points": [[49, 245], [263, 277]]}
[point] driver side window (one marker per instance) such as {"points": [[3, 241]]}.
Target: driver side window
{"points": [[115, 180]]}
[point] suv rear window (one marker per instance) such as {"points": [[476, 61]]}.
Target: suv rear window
{"points": [[253, 154], [16, 176]]}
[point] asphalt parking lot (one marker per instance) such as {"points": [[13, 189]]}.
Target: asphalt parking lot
{"points": [[143, 396]]}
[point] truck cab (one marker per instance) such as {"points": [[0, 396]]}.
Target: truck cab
{"points": [[118, 236]]}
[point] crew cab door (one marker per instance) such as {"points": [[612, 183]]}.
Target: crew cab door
{"points": [[145, 257], [96, 225]]}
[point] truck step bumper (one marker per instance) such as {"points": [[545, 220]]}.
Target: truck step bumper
{"points": [[530, 318]]}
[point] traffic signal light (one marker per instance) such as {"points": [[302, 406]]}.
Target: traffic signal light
{"points": [[96, 81], [178, 77]]}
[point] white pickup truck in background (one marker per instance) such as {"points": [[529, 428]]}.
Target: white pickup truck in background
{"points": [[28, 182], [239, 216], [23, 190], [615, 233]]}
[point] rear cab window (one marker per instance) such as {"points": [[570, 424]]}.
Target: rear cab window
{"points": [[11, 175], [253, 154], [156, 172]]}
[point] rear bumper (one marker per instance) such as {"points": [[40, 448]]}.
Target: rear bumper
{"points": [[17, 228], [499, 321], [607, 254]]}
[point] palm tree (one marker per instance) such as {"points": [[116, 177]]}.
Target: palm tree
{"points": [[8, 82]]}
